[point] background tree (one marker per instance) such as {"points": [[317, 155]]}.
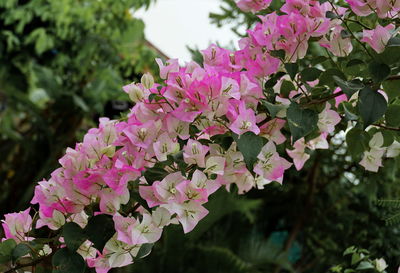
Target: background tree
{"points": [[61, 63]]}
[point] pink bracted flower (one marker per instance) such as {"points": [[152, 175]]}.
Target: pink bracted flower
{"points": [[378, 38], [253, 5], [16, 225], [244, 120], [194, 153], [270, 165], [298, 154]]}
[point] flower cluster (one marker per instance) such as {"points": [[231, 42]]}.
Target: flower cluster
{"points": [[173, 129]]}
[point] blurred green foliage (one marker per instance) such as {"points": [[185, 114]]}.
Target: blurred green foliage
{"points": [[60, 63]]}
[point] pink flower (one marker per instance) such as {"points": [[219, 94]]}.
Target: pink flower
{"points": [[270, 165], [253, 5], [244, 121], [194, 153], [336, 44], [377, 38], [298, 154], [169, 67], [188, 214], [15, 225], [328, 119]]}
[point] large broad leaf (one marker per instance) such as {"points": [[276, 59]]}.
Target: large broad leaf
{"points": [[357, 141], [379, 71], [20, 250], [73, 235], [349, 88], [144, 250], [6, 250], [372, 105], [273, 109], [301, 121], [67, 261], [392, 115], [292, 69], [250, 145], [100, 229], [310, 74]]}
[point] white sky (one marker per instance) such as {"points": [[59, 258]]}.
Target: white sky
{"points": [[171, 25]]}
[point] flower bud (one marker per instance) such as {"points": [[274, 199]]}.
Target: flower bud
{"points": [[135, 93], [147, 80]]}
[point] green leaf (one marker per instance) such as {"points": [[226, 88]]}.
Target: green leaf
{"points": [[349, 250], [393, 42], [357, 141], [310, 74], [73, 235], [379, 71], [345, 34], [278, 53], [349, 88], [273, 109], [392, 88], [327, 77], [155, 174], [6, 250], [392, 115], [292, 69], [20, 250], [144, 250], [331, 15], [67, 261], [318, 60], [365, 265], [348, 113], [372, 105], [355, 258], [286, 88], [250, 145], [301, 121], [100, 229]]}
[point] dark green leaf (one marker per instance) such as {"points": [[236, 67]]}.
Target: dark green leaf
{"points": [[278, 53], [372, 106], [392, 88], [144, 250], [393, 42], [6, 250], [327, 77], [292, 69], [155, 174], [73, 235], [273, 109], [357, 142], [225, 141], [349, 88], [100, 229], [20, 250], [67, 261], [392, 115], [331, 15], [345, 34], [348, 113], [250, 146], [318, 60], [379, 71], [310, 74], [286, 88], [301, 121]]}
